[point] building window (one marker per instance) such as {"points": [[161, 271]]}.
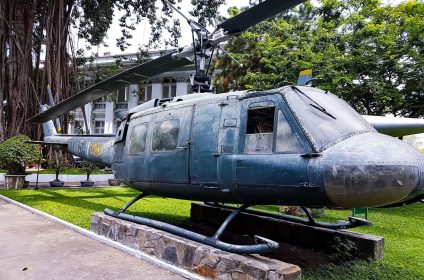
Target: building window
{"points": [[121, 105], [165, 135], [99, 106], [146, 94], [138, 139], [169, 88], [122, 95], [99, 127]]}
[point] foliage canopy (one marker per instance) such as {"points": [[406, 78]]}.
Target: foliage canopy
{"points": [[15, 154], [370, 54]]}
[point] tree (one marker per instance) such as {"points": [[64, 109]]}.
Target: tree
{"points": [[33, 29], [369, 54], [58, 162], [15, 154], [89, 167]]}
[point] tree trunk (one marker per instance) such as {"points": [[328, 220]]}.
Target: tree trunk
{"points": [[16, 23], [19, 86], [56, 72]]}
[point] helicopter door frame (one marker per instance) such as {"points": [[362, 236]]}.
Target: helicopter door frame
{"points": [[136, 159], [204, 151], [265, 167], [118, 165]]}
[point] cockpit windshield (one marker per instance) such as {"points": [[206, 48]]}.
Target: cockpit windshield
{"points": [[325, 117]]}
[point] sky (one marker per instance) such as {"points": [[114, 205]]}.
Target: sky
{"points": [[142, 32]]}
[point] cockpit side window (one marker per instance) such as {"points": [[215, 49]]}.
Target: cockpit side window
{"points": [[286, 141], [260, 130]]}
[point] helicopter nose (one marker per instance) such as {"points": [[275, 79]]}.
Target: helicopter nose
{"points": [[370, 170]]}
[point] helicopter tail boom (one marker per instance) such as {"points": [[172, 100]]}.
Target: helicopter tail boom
{"points": [[95, 148]]}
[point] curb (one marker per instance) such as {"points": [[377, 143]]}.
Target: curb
{"points": [[106, 241]]}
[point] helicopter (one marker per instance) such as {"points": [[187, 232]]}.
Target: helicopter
{"points": [[294, 145]]}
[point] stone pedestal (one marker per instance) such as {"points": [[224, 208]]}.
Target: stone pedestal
{"points": [[360, 245], [201, 259]]}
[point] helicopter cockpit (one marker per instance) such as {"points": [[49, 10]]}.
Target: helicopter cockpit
{"points": [[325, 118]]}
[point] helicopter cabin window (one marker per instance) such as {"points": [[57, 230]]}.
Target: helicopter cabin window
{"points": [[260, 128], [138, 139], [165, 135], [286, 141], [169, 88]]}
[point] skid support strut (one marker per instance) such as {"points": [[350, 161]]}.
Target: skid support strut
{"points": [[266, 245]]}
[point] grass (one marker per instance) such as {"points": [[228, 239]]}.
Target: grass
{"points": [[76, 205], [402, 228]]}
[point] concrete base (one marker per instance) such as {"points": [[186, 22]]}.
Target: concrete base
{"points": [[201, 259], [360, 245]]}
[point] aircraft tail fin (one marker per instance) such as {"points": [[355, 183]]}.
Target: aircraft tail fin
{"points": [[305, 77], [48, 127]]}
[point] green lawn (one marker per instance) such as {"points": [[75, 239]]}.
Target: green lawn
{"points": [[403, 228]]}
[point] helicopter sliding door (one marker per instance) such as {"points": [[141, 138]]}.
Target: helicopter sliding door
{"points": [[170, 146], [204, 143]]}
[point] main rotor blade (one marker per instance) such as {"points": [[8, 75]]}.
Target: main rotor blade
{"points": [[256, 14], [131, 76]]}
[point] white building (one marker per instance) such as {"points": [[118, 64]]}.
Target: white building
{"points": [[103, 117]]}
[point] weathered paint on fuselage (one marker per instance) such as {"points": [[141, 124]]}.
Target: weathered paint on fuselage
{"points": [[209, 162], [98, 149]]}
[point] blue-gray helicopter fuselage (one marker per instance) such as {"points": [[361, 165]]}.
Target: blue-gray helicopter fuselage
{"points": [[274, 147]]}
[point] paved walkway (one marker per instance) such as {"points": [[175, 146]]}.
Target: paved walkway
{"points": [[34, 248]]}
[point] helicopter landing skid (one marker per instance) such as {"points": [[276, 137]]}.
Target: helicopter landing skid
{"points": [[265, 245], [352, 222]]}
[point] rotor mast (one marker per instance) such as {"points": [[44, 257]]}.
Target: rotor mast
{"points": [[200, 81]]}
